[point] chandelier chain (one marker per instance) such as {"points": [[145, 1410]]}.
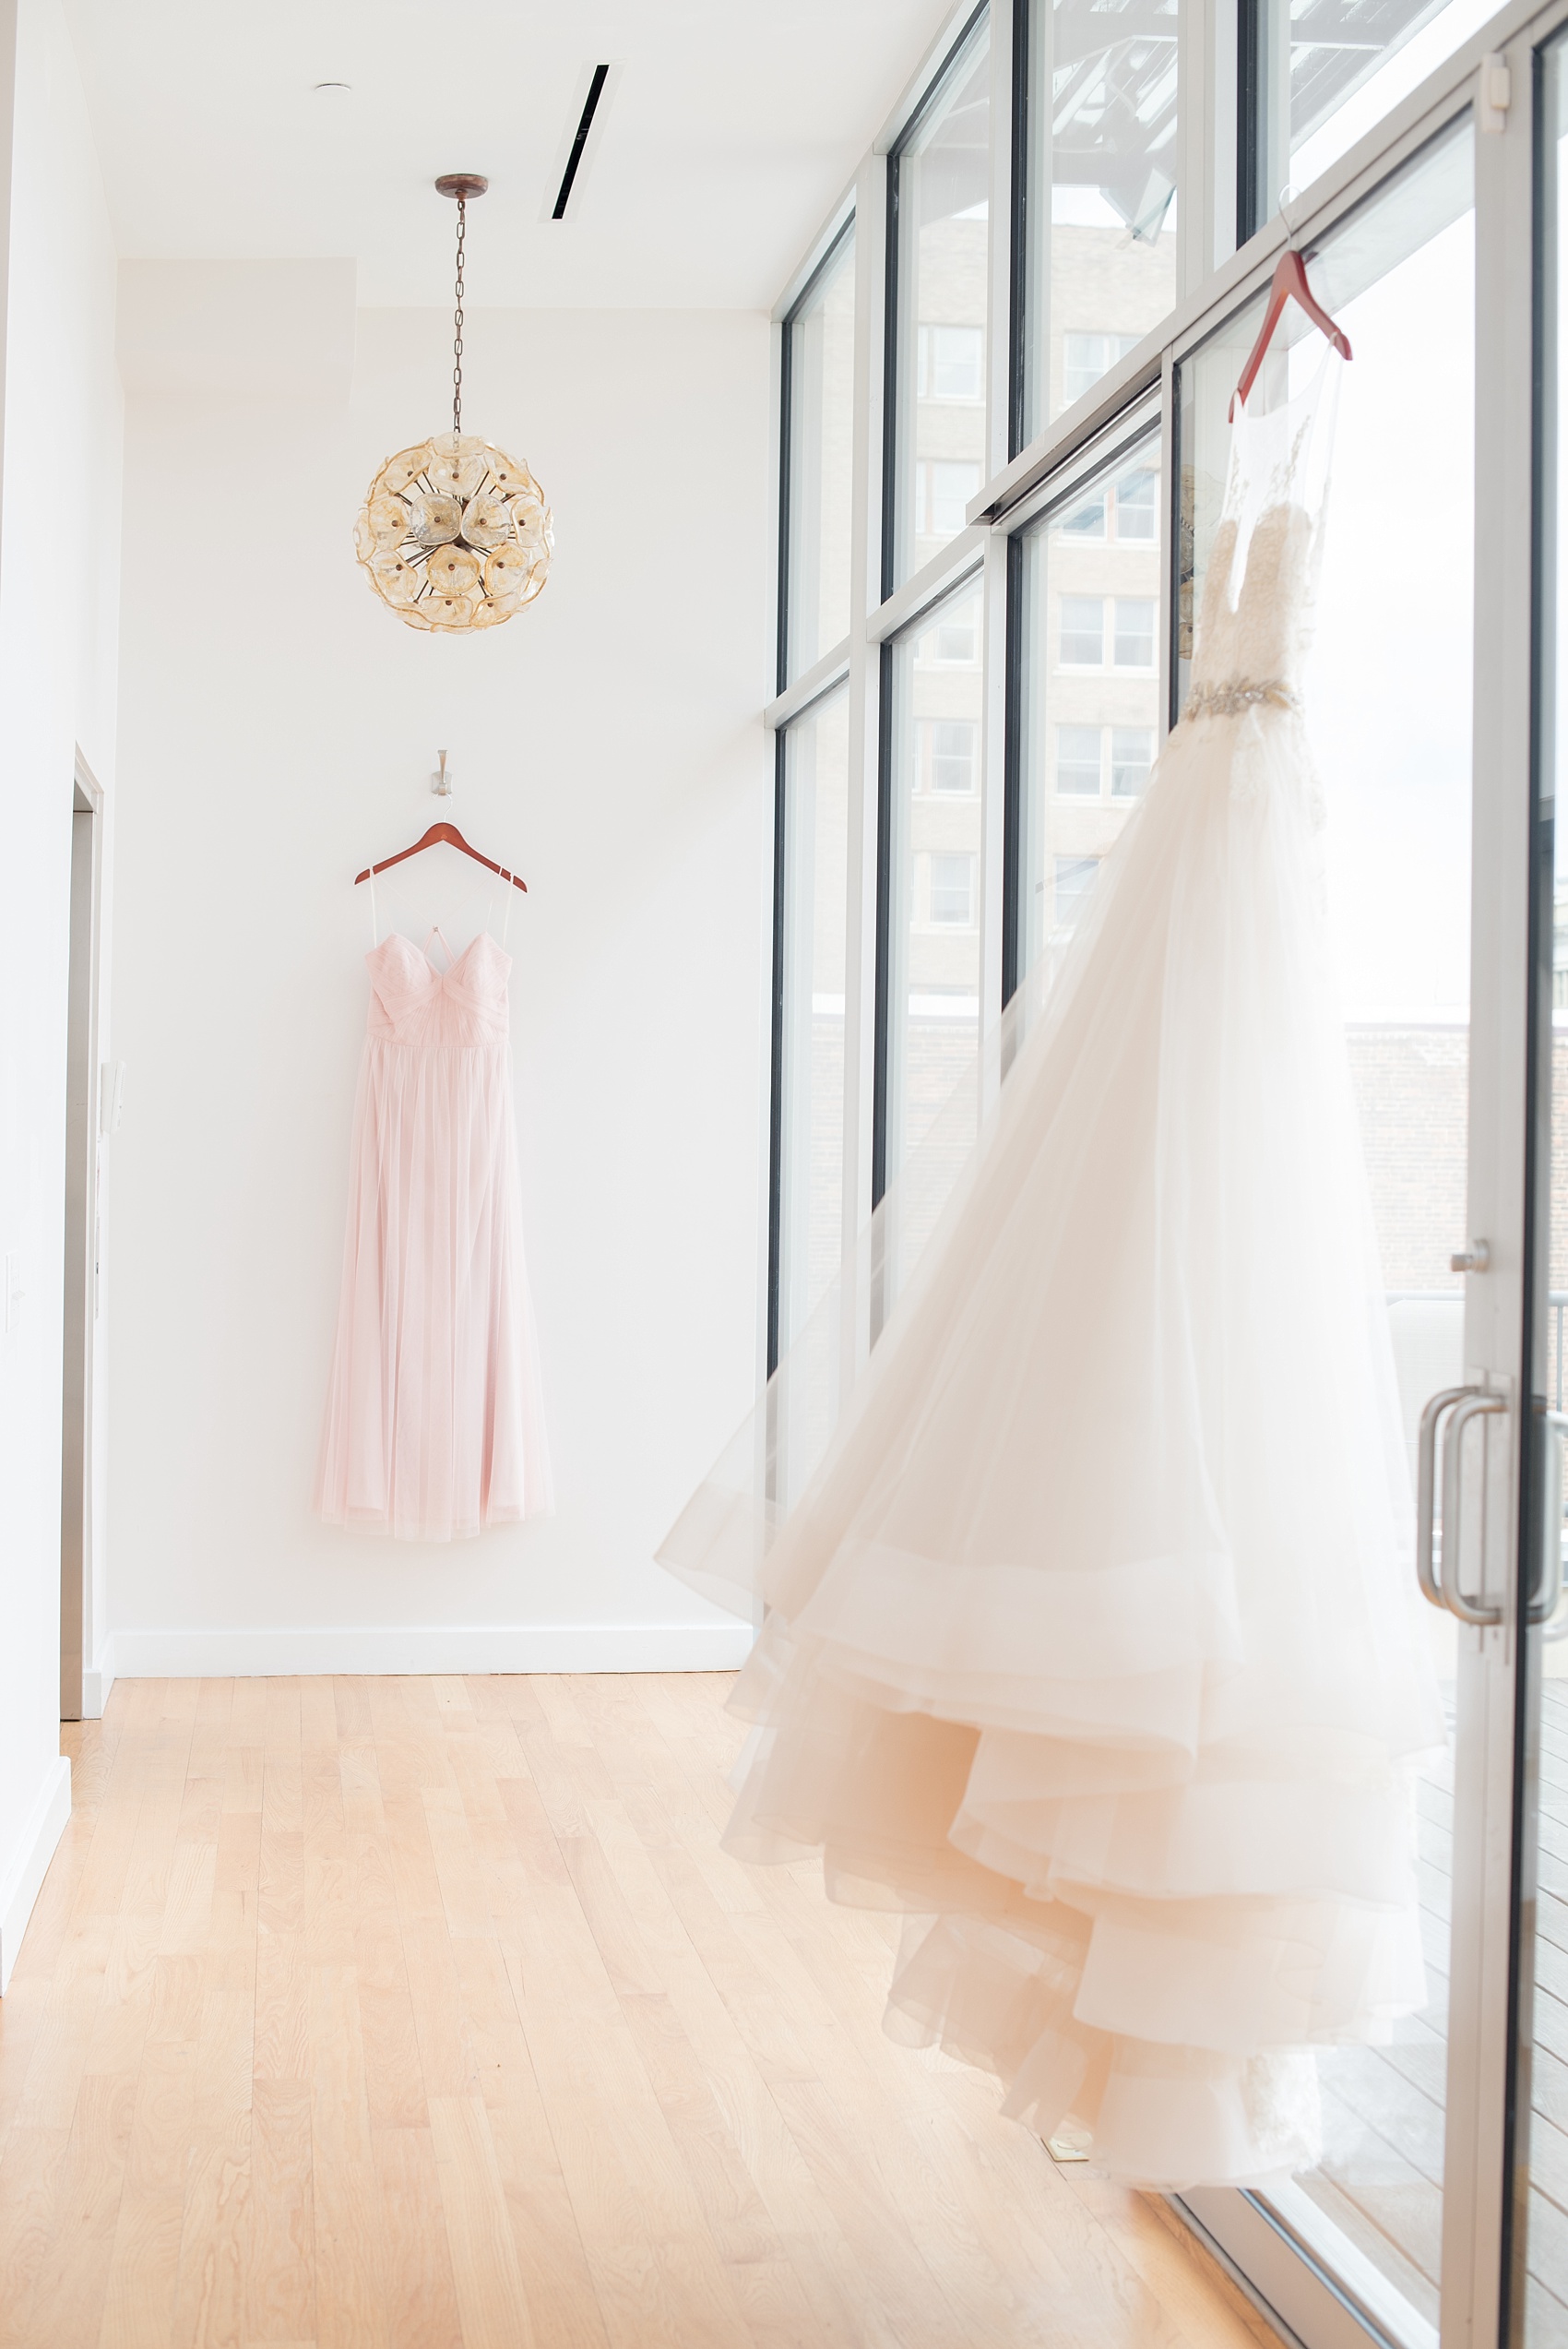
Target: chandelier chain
{"points": [[457, 326]]}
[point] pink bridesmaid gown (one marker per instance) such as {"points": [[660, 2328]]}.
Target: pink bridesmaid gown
{"points": [[433, 1424]]}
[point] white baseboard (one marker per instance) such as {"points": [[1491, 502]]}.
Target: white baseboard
{"points": [[29, 1864], [482, 1647], [95, 1689]]}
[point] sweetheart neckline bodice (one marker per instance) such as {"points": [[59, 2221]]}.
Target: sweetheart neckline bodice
{"points": [[419, 956]]}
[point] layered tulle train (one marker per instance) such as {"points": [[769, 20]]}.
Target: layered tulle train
{"points": [[1093, 1643]]}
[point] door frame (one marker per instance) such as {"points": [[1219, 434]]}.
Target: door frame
{"points": [[1276, 2246], [80, 1267]]}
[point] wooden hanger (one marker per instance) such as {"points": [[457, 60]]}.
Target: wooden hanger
{"points": [[441, 835], [1289, 285]]}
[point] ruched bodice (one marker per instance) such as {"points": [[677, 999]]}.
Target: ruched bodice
{"points": [[412, 1003], [433, 1424]]}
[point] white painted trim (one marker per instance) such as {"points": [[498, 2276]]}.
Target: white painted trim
{"points": [[816, 253], [25, 1872], [932, 65], [811, 686], [910, 103], [96, 1687], [1317, 2288], [263, 1652], [1360, 2277], [958, 560]]}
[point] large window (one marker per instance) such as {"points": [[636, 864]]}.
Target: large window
{"points": [[939, 190], [1392, 603], [1086, 578], [948, 821], [1097, 99], [818, 419], [1317, 76], [1540, 2051], [929, 914], [810, 950]]}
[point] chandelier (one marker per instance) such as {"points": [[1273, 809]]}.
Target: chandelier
{"points": [[454, 533]]}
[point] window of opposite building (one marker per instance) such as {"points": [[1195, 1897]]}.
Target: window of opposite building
{"points": [[1094, 112], [1085, 684], [939, 259], [818, 470]]}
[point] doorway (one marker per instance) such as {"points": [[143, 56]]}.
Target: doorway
{"points": [[80, 1272]]}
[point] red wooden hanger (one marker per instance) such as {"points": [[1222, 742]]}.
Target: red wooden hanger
{"points": [[1289, 285], [437, 835]]}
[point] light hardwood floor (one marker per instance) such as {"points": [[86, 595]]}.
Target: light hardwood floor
{"points": [[427, 2014]]}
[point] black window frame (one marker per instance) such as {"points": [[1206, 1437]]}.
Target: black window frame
{"points": [[1252, 33]]}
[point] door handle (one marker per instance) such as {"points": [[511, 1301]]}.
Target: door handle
{"points": [[1547, 1595], [1478, 1403], [1439, 1583], [1426, 1490]]}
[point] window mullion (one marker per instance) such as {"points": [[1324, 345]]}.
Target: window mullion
{"points": [[859, 978]]}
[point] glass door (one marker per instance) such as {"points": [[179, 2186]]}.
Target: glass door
{"points": [[1537, 2262], [1355, 2247]]}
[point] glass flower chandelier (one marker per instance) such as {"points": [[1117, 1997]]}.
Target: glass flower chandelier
{"points": [[454, 533]]}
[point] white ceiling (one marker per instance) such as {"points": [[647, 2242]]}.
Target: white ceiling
{"points": [[730, 128]]}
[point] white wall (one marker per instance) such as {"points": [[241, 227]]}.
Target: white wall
{"points": [[59, 529], [278, 728]]}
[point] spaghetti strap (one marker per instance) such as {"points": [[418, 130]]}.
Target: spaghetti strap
{"points": [[507, 923], [374, 921]]}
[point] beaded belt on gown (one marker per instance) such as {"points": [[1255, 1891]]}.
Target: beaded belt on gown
{"points": [[1229, 701]]}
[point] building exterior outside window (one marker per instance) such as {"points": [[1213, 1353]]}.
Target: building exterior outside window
{"points": [[819, 397], [1088, 583], [952, 887], [811, 975], [1073, 878], [1099, 259], [939, 183], [935, 808], [952, 762], [952, 363]]}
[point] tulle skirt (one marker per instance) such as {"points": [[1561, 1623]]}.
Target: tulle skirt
{"points": [[1094, 1644], [434, 1428]]}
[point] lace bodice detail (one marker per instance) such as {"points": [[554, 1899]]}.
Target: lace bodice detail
{"points": [[1255, 613], [1261, 640]]}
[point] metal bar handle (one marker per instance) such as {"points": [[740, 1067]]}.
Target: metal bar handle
{"points": [[1478, 1402], [1426, 1488]]}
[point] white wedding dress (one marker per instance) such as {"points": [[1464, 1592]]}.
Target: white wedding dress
{"points": [[1093, 1643]]}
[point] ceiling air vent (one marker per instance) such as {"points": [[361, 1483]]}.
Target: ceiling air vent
{"points": [[579, 141]]}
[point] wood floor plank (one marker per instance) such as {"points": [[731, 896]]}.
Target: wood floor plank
{"points": [[550, 2257], [30, 2179], [350, 2272], [280, 2272], [68, 2296], [491, 2306], [421, 2297], [428, 2013], [139, 2308]]}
